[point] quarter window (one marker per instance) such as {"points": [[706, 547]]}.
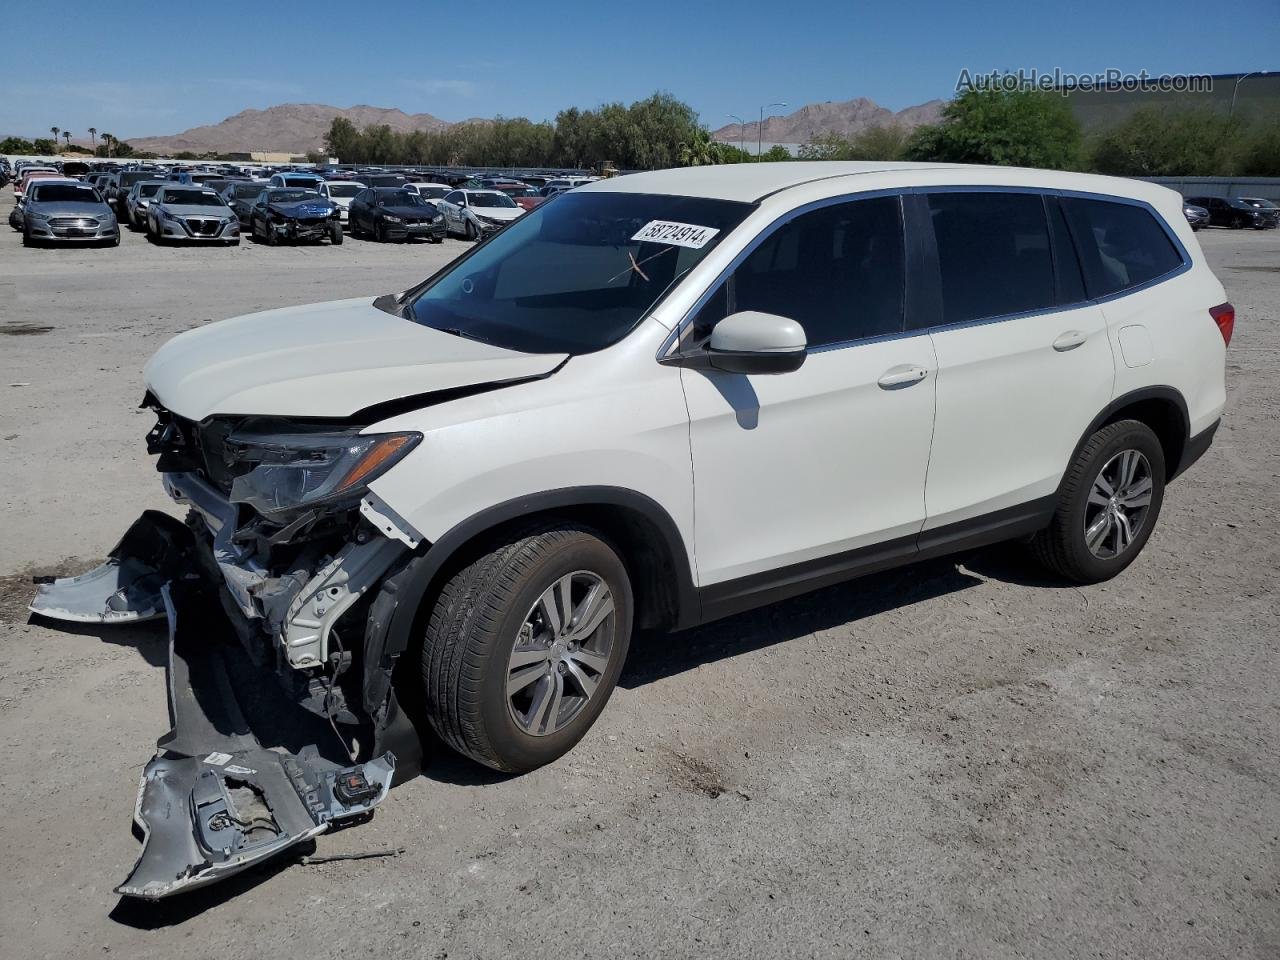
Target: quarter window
{"points": [[1121, 245], [838, 271], [993, 254]]}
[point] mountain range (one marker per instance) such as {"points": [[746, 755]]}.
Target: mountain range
{"points": [[286, 128], [845, 117], [299, 127]]}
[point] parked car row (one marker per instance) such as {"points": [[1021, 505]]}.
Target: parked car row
{"points": [[221, 202], [1233, 212]]}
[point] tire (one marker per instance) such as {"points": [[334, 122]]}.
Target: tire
{"points": [[475, 623], [378, 233], [335, 235], [1063, 547], [469, 230], [27, 239], [273, 239]]}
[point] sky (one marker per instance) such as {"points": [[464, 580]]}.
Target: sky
{"points": [[159, 68]]}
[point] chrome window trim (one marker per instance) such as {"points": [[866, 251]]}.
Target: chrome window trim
{"points": [[669, 349]]}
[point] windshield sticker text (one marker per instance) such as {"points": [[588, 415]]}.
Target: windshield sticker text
{"points": [[676, 234]]}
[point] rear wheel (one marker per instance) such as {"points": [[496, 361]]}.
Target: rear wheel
{"points": [[1110, 502], [524, 646]]}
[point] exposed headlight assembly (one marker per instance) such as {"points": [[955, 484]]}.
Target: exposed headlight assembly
{"points": [[287, 472], [390, 218]]}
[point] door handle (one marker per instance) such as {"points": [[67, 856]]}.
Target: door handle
{"points": [[1069, 340], [903, 375]]}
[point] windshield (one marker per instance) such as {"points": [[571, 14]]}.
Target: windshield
{"points": [[433, 193], [344, 189], [291, 196], [244, 191], [520, 191], [191, 198], [490, 200], [400, 198], [1260, 202], [65, 192], [570, 276], [148, 189], [300, 181]]}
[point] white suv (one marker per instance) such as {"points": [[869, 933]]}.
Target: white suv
{"points": [[669, 397]]}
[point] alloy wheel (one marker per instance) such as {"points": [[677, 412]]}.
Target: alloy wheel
{"points": [[561, 653], [1118, 504]]}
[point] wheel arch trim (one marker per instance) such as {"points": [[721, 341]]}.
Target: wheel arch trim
{"points": [[390, 628], [1161, 393]]}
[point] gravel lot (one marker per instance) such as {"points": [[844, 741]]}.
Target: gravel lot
{"points": [[955, 760]]}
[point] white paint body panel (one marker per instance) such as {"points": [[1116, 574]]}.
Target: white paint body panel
{"points": [[793, 467], [321, 360], [1011, 409]]}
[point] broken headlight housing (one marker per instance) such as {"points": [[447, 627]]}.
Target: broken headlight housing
{"points": [[278, 473]]}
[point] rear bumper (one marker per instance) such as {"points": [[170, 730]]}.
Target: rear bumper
{"points": [[1196, 448]]}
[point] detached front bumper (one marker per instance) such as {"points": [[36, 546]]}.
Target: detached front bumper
{"points": [[229, 786], [214, 801]]}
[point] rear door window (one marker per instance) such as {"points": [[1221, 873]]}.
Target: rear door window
{"points": [[994, 257], [1121, 245]]}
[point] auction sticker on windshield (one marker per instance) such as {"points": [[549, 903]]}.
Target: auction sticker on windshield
{"points": [[676, 234]]}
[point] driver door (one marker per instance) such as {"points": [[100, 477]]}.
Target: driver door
{"points": [[807, 472]]}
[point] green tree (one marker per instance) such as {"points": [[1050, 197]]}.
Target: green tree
{"points": [[16, 145], [1260, 156], [342, 139], [699, 150], [886, 142], [44, 146], [1023, 128], [1156, 142]]}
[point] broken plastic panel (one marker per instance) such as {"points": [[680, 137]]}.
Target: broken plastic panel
{"points": [[214, 801], [126, 588]]}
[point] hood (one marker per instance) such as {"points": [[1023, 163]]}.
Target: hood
{"points": [[342, 202], [68, 208], [412, 212], [322, 360], [207, 213], [497, 213], [304, 208]]}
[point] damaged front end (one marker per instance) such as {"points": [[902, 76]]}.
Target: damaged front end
{"points": [[280, 730]]}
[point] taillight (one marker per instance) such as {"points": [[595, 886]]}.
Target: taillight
{"points": [[1224, 315]]}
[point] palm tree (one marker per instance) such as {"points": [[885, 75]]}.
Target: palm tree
{"points": [[700, 151], [93, 136], [66, 135], [55, 131], [107, 139]]}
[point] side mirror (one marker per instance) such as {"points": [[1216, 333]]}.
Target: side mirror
{"points": [[754, 342]]}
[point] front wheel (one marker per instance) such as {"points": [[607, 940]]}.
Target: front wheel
{"points": [[524, 645], [335, 234], [1109, 504]]}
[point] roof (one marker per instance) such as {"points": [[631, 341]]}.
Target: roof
{"points": [[744, 182]]}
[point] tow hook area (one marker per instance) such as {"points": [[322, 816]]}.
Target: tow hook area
{"points": [[214, 801]]}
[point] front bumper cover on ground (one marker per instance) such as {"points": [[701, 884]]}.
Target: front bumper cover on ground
{"points": [[240, 777]]}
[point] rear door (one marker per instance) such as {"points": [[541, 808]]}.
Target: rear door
{"points": [[1024, 360], [796, 473]]}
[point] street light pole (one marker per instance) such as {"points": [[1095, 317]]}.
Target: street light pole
{"points": [[742, 129], [1236, 89], [760, 126]]}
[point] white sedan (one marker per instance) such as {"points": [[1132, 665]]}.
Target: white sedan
{"points": [[341, 193], [476, 213]]}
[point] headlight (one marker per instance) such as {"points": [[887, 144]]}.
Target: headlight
{"points": [[32, 215], [437, 218], [388, 217], [290, 471]]}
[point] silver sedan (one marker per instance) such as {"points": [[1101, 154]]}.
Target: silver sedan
{"points": [[63, 212]]}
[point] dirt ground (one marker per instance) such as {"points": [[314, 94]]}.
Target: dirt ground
{"points": [[955, 760]]}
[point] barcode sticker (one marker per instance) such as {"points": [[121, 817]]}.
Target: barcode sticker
{"points": [[676, 234]]}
